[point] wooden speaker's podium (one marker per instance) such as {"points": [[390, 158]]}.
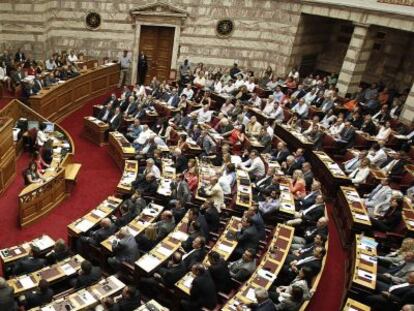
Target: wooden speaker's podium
{"points": [[7, 153]]}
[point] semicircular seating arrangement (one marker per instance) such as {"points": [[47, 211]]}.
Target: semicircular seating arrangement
{"points": [[228, 200]]}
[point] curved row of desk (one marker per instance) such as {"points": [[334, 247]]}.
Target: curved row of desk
{"points": [[38, 199]]}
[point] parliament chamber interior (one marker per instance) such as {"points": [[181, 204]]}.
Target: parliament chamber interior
{"points": [[207, 155]]}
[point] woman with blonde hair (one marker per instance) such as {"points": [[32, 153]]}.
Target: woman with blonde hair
{"points": [[396, 258], [298, 185]]}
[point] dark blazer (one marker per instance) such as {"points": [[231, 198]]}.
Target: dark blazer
{"points": [[181, 163], [101, 234], [203, 291], [54, 256], [29, 264], [84, 280], [7, 301], [307, 200], [311, 232], [266, 305], [314, 265], [178, 214], [102, 113], [132, 109], [116, 123], [212, 217], [398, 168], [248, 238], [221, 276], [369, 128], [127, 304], [37, 298], [196, 256], [170, 275], [126, 249], [314, 214], [280, 156], [308, 176]]}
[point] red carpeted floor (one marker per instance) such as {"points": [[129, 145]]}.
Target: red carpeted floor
{"points": [[98, 178]]}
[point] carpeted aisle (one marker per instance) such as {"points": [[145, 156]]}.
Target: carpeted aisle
{"points": [[97, 179]]}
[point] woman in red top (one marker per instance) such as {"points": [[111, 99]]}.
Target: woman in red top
{"points": [[298, 185], [236, 136], [40, 164], [191, 177], [290, 83]]}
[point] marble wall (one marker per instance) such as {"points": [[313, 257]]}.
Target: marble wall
{"points": [[264, 29]]}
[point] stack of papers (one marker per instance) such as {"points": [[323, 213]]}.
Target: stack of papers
{"points": [[148, 262], [43, 243], [225, 248], [98, 213], [188, 281], [84, 225], [26, 282]]}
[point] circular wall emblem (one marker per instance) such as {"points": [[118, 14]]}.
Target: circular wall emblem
{"points": [[93, 20], [225, 28]]}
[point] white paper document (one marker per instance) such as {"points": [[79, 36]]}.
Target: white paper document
{"points": [[43, 243], [84, 225], [148, 262], [99, 213], [48, 308], [68, 269], [250, 295], [361, 217], [26, 282], [368, 258], [87, 298], [265, 274], [225, 248], [188, 281], [178, 235], [164, 251]]}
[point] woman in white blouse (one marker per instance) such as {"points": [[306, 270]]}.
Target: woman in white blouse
{"points": [[360, 174], [384, 132], [228, 178], [5, 78], [200, 80]]}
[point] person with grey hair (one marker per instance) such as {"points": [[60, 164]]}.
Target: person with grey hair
{"points": [[7, 301], [263, 301], [124, 248]]}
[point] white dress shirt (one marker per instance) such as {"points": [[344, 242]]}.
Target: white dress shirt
{"points": [[359, 175], [255, 167]]}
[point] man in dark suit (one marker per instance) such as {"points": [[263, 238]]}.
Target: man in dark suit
{"points": [[346, 138], [17, 76], [393, 298], [130, 300], [197, 254], [243, 268], [281, 152], [132, 108], [368, 126], [29, 264], [202, 291], [107, 228], [211, 215], [37, 84], [130, 208], [7, 301], [180, 191], [113, 100], [106, 113], [264, 182], [307, 174], [88, 275], [313, 261], [124, 248], [116, 119], [247, 237], [219, 272], [148, 186], [310, 233], [38, 297], [394, 167], [180, 161], [165, 276], [19, 57], [309, 199], [309, 215], [174, 99]]}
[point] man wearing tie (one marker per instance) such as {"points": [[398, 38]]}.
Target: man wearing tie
{"points": [[116, 119], [351, 165], [37, 84]]}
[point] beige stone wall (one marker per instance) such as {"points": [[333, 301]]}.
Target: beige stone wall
{"points": [[264, 29]]}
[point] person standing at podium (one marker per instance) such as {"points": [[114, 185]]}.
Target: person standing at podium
{"points": [[125, 62]]}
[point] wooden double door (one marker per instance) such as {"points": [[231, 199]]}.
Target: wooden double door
{"points": [[157, 44]]}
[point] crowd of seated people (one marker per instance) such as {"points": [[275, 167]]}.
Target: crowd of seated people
{"points": [[194, 113], [31, 75]]}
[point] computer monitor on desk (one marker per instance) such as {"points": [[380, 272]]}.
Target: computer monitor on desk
{"points": [[32, 125], [49, 127]]}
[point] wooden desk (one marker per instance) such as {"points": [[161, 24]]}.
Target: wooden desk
{"points": [[147, 216], [328, 172], [86, 299], [293, 137], [120, 149], [224, 246], [11, 254], [58, 101], [268, 269], [244, 195], [7, 153], [168, 175], [364, 269], [95, 130], [164, 249], [351, 214], [37, 200], [353, 305], [129, 175], [92, 218], [54, 273], [205, 172]]}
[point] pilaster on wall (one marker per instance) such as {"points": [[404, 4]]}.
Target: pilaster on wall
{"points": [[407, 115], [356, 59]]}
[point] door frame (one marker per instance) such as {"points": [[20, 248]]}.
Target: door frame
{"points": [[159, 14]]}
